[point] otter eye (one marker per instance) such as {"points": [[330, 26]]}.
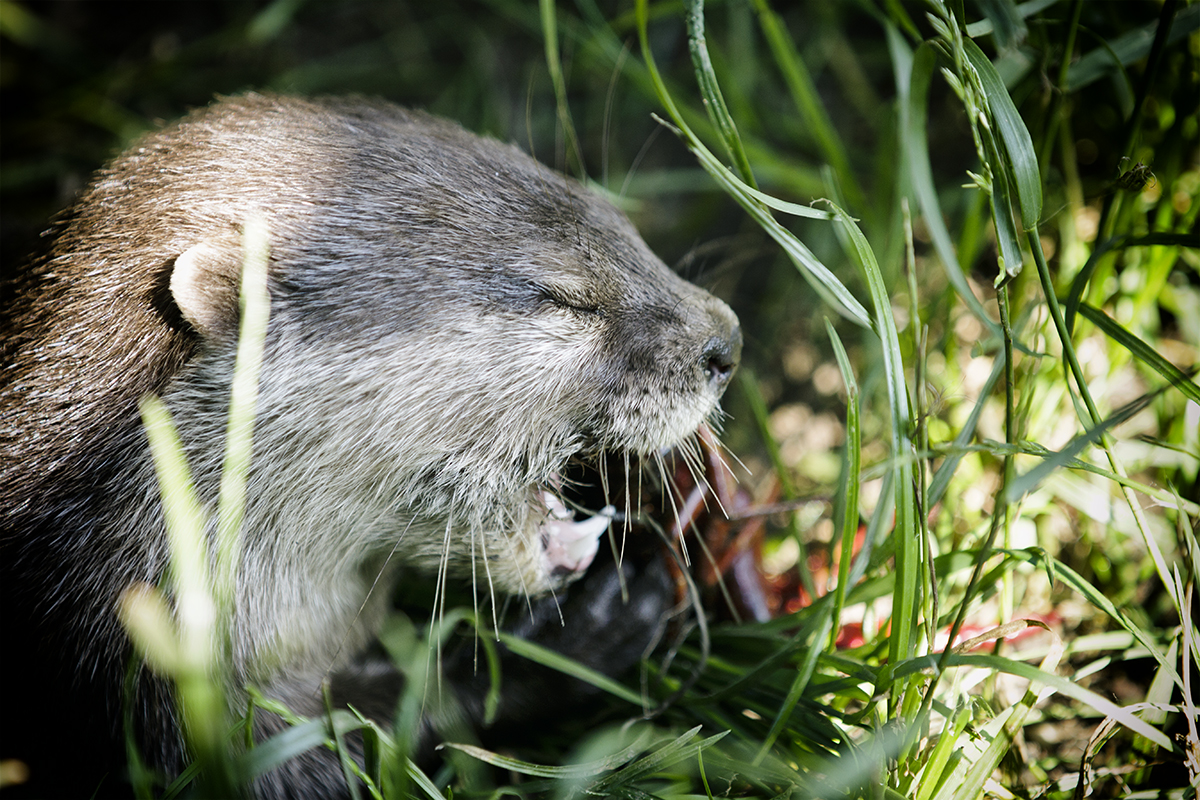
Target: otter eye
{"points": [[565, 301]]}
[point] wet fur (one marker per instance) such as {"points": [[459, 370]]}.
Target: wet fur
{"points": [[450, 324]]}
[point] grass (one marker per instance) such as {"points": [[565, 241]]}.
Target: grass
{"points": [[993, 314], [905, 713], [908, 713]]}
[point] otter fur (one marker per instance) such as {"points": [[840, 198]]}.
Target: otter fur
{"points": [[451, 326]]}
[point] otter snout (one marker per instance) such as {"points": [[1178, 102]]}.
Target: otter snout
{"points": [[723, 350], [721, 358]]}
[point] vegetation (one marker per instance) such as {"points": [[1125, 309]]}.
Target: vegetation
{"points": [[962, 241]]}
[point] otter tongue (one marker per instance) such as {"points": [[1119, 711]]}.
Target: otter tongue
{"points": [[570, 545]]}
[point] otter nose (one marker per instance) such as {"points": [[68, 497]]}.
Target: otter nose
{"points": [[721, 357]]}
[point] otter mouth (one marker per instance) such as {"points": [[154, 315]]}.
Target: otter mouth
{"points": [[569, 545], [571, 511]]}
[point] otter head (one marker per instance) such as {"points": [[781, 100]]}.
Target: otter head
{"points": [[451, 325]]}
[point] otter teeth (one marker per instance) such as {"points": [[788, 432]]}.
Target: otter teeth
{"points": [[570, 546]]}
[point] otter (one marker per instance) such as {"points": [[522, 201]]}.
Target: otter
{"points": [[452, 326]]}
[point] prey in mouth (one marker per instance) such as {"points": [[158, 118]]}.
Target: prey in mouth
{"points": [[573, 510], [570, 545]]}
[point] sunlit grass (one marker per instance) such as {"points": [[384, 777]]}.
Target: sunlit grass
{"points": [[1046, 452]]}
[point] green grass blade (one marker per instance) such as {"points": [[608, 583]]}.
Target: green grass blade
{"points": [[945, 472], [824, 282], [198, 690], [185, 519], [1058, 683], [421, 779], [939, 758], [569, 772], [799, 683], [255, 306], [337, 737], [831, 290], [1018, 145], [905, 533], [913, 74], [671, 753], [1097, 598], [1128, 48], [1026, 483], [1142, 352], [794, 209], [554, 65], [765, 666], [985, 27], [1005, 730], [549, 658], [284, 746], [1083, 277], [710, 91], [1010, 257], [808, 102], [847, 510]]}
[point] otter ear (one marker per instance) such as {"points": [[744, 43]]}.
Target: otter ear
{"points": [[204, 285]]}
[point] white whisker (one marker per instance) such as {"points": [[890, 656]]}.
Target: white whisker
{"points": [[520, 576], [487, 571], [604, 474], [668, 485], [363, 605], [628, 502], [475, 598]]}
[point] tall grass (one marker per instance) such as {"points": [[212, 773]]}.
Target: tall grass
{"points": [[919, 709]]}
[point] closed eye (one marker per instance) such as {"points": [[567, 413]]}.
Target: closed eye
{"points": [[564, 300]]}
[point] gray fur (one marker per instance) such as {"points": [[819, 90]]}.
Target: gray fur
{"points": [[450, 324]]}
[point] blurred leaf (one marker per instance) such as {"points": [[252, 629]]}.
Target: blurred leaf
{"points": [[554, 65], [1008, 24], [1128, 48], [571, 771], [912, 85], [269, 23], [549, 658], [18, 25], [1142, 352], [284, 746], [807, 101], [984, 27], [905, 533]]}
